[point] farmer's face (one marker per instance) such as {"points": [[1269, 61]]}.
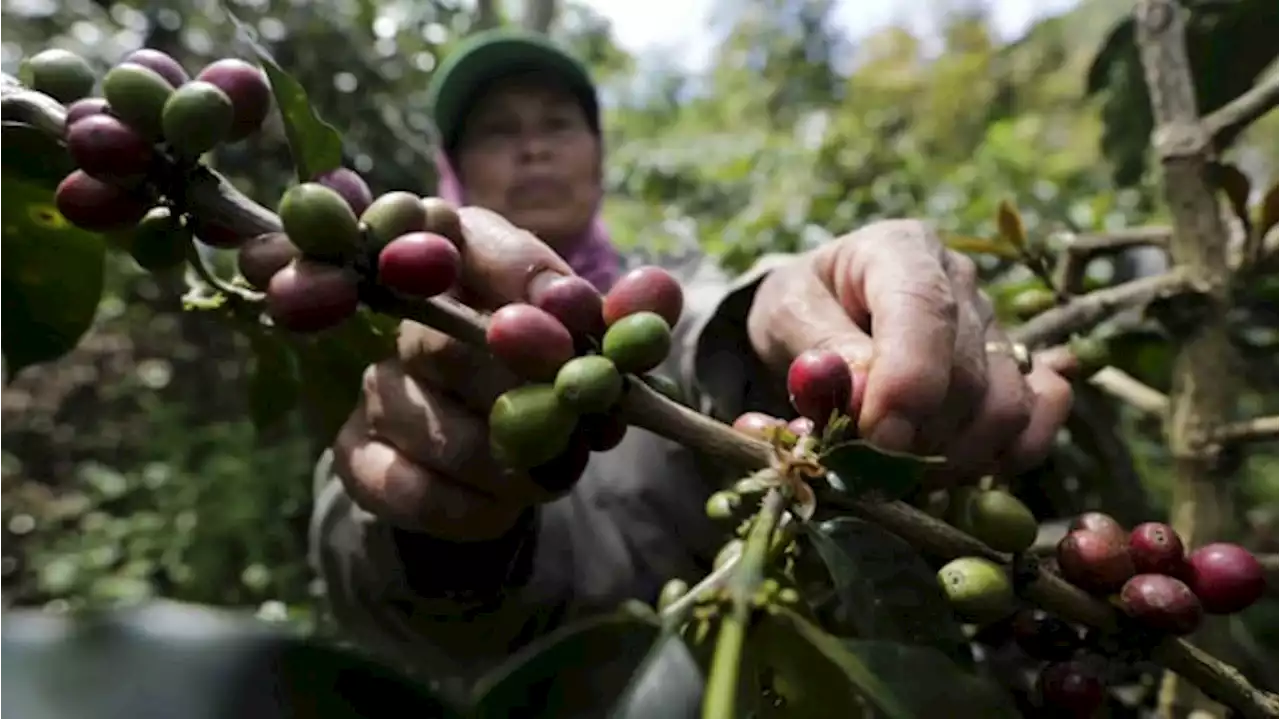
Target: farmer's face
{"points": [[528, 153]]}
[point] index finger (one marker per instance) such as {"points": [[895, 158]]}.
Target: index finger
{"points": [[501, 263], [895, 283]]}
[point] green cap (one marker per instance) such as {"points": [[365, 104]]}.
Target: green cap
{"points": [[491, 55]]}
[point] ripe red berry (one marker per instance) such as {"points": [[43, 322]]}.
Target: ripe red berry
{"points": [[1071, 688], [1161, 602], [603, 432], [85, 107], [1226, 577], [419, 264], [756, 424], [645, 289], [820, 382], [106, 148], [559, 475], [249, 92], [1156, 549], [529, 341], [94, 205], [1043, 636], [350, 185], [572, 300], [1094, 561], [1102, 523], [160, 63], [309, 296]]}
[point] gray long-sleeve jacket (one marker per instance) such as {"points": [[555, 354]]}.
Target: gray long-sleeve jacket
{"points": [[635, 520]]}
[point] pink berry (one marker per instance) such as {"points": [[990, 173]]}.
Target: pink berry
{"points": [[350, 185], [420, 264], [530, 341], [106, 148], [756, 424], [248, 89], [820, 383], [572, 300], [645, 289], [1226, 577], [1094, 561], [801, 426], [160, 63], [1162, 602], [1156, 549], [1102, 523], [310, 296], [85, 107]]}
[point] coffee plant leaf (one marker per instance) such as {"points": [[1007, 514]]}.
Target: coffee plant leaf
{"points": [[668, 684], [929, 683], [273, 384], [579, 668], [862, 467], [52, 276], [185, 659], [33, 156], [884, 590], [813, 674], [1012, 231], [981, 246], [316, 146], [331, 364]]}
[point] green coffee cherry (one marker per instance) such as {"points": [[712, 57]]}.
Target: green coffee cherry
{"points": [[137, 95], [529, 426], [638, 343], [999, 520], [672, 591], [723, 504], [590, 384], [1091, 353], [393, 215], [60, 74], [1031, 302], [318, 221], [160, 242], [196, 117], [978, 589]]}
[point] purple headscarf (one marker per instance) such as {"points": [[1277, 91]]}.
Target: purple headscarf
{"points": [[592, 256]]}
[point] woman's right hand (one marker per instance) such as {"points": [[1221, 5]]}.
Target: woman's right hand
{"points": [[415, 451]]}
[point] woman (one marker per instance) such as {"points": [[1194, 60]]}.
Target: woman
{"points": [[433, 552]]}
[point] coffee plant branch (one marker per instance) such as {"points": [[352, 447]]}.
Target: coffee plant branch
{"points": [[1245, 109], [1087, 311], [1081, 249], [1125, 387], [1259, 429], [214, 198]]}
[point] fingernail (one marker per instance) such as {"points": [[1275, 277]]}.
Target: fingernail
{"points": [[540, 279], [893, 433]]}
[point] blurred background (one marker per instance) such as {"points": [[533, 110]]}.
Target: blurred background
{"points": [[132, 467]]}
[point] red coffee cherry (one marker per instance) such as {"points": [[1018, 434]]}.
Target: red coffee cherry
{"points": [[97, 206], [420, 264], [1162, 602], [1156, 549], [106, 148], [530, 341], [645, 289], [820, 382], [1100, 522], [308, 296], [1226, 577], [1094, 561]]}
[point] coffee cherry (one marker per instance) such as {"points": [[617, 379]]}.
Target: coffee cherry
{"points": [[1091, 353], [820, 382], [637, 343], [1029, 303], [1094, 561], [801, 426], [979, 590], [60, 74], [419, 264], [106, 148], [1043, 636], [723, 504], [572, 300], [160, 241], [393, 215], [443, 219], [645, 289], [998, 519], [216, 234], [318, 221], [1161, 602], [96, 206], [672, 591], [530, 426], [603, 432], [85, 107], [161, 63], [196, 118], [529, 341], [558, 476], [138, 95], [589, 384], [1156, 549], [757, 424], [1226, 577], [350, 185], [249, 92], [263, 256], [1102, 523], [1072, 689], [308, 296]]}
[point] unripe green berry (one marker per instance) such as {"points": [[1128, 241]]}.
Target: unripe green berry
{"points": [[638, 343], [723, 504], [979, 590], [319, 221], [529, 426], [590, 384]]}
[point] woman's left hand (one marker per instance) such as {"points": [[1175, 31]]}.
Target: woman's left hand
{"points": [[907, 313]]}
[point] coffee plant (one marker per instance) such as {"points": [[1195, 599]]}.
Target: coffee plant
{"points": [[843, 589]]}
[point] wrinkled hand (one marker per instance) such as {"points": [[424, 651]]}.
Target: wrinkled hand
{"points": [[415, 450], [907, 313]]}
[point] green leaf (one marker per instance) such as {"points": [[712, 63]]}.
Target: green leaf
{"points": [[668, 684], [863, 468], [884, 588], [813, 673], [34, 156], [1012, 231], [981, 246], [582, 667], [950, 690], [332, 363], [273, 385], [186, 659], [52, 275], [315, 145]]}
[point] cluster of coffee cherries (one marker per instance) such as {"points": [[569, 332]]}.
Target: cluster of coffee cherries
{"points": [[151, 117]]}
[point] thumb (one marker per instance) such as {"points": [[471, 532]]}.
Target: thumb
{"points": [[502, 263]]}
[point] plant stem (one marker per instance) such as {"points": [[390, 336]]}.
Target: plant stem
{"points": [[722, 682]]}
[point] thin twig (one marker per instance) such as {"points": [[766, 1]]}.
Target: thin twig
{"points": [[1243, 110], [1087, 311], [1080, 250], [648, 409], [1124, 386], [1259, 429]]}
